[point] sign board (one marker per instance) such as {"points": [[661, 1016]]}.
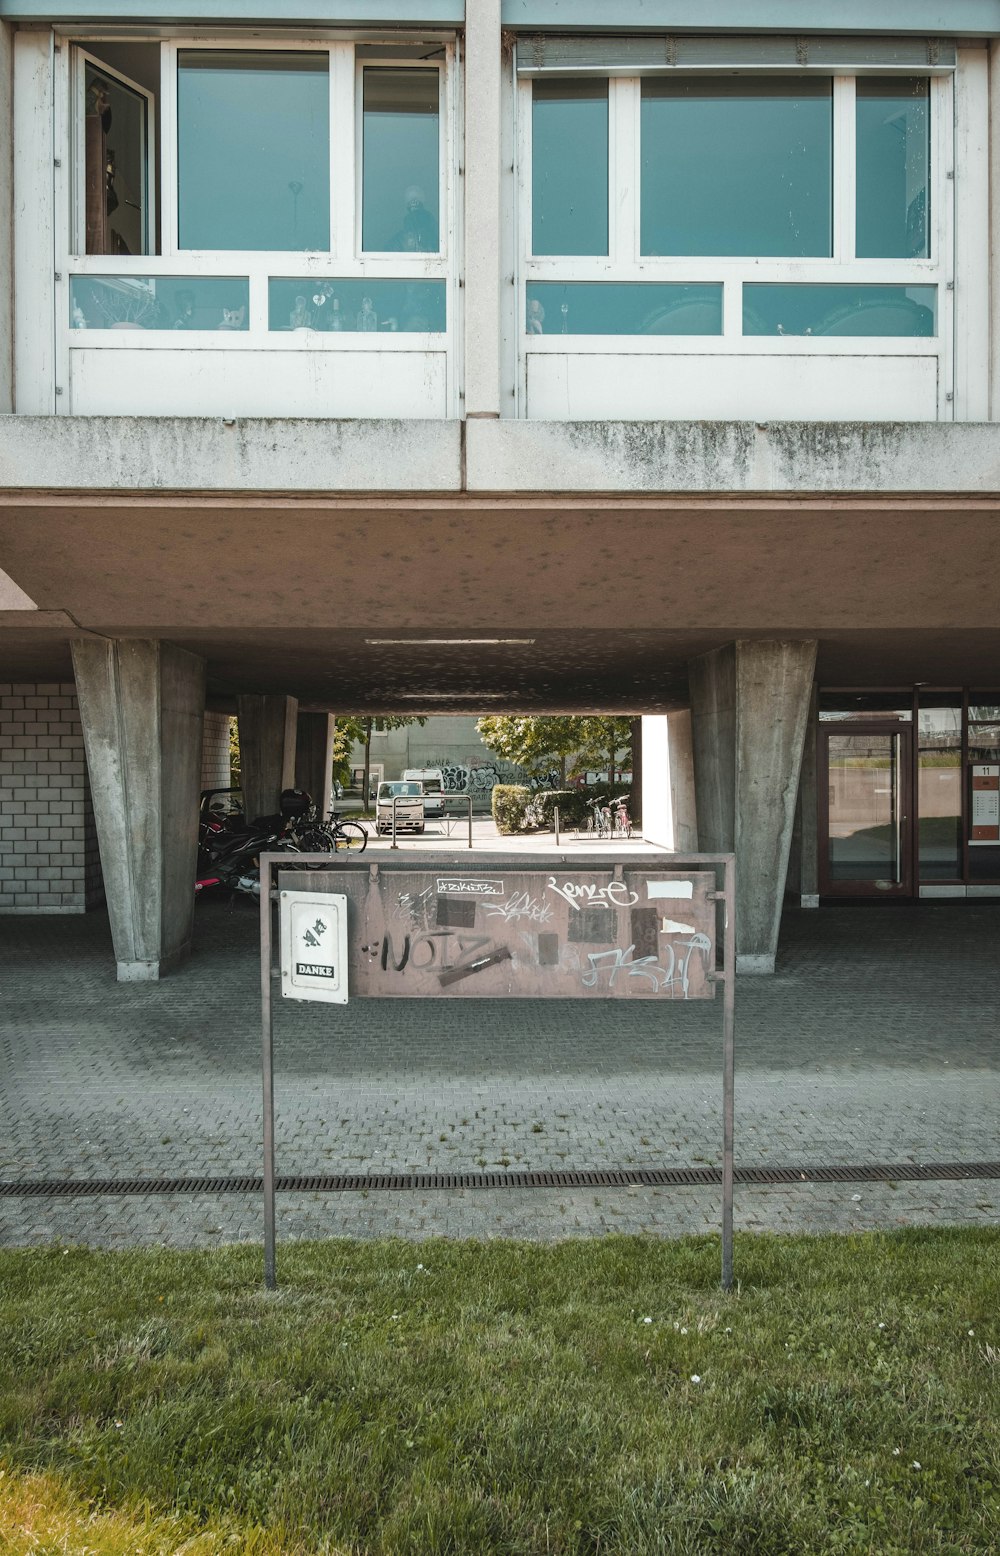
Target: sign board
{"points": [[562, 931], [985, 817], [314, 963]]}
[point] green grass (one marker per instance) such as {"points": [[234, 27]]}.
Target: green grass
{"points": [[504, 1397]]}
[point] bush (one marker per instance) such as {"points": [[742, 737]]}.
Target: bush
{"points": [[573, 808], [510, 804]]}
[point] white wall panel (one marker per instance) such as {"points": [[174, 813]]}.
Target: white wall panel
{"points": [[582, 387], [258, 383]]}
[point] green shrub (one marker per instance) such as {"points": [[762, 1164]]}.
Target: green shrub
{"points": [[510, 804]]}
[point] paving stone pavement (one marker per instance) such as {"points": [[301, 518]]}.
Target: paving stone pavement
{"points": [[876, 1041]]}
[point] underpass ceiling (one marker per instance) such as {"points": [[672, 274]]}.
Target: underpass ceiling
{"points": [[583, 671], [609, 597]]}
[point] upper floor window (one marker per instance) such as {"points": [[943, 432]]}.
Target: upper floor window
{"points": [[318, 149], [752, 184]]}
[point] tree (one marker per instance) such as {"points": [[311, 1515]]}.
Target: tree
{"points": [[357, 729], [533, 743], [604, 739]]}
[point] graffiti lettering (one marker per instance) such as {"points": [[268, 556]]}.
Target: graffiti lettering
{"points": [[615, 895], [446, 950], [521, 906], [675, 976]]}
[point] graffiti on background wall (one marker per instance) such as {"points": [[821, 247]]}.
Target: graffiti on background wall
{"points": [[482, 777]]}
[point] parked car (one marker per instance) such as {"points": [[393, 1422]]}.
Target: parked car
{"points": [[409, 810], [432, 779]]}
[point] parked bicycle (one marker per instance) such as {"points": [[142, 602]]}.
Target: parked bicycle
{"points": [[621, 820], [600, 819]]}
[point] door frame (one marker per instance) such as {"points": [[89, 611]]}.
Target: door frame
{"points": [[893, 891]]}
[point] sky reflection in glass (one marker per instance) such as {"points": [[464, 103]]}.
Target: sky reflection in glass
{"points": [[737, 166]]}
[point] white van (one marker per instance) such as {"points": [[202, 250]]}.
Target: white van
{"points": [[432, 779], [409, 806]]}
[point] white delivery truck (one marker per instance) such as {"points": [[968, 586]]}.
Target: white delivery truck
{"points": [[432, 779]]}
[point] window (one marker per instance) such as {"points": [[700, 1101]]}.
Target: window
{"points": [[253, 150], [740, 203], [737, 165], [400, 161], [302, 189]]}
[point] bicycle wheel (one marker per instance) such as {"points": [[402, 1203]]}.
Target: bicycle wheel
{"points": [[350, 835]]}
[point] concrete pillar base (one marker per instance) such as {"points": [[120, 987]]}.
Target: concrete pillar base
{"points": [[751, 965], [809, 899], [152, 972]]}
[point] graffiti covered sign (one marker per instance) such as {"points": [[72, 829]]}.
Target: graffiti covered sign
{"points": [[563, 931]]}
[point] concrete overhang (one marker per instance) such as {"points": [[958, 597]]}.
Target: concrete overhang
{"points": [[145, 454]]}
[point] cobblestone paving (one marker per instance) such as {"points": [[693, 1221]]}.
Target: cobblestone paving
{"points": [[875, 1041]]}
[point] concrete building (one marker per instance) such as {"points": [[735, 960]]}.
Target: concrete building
{"points": [[454, 356]]}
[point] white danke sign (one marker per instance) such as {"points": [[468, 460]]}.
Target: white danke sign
{"points": [[314, 946]]}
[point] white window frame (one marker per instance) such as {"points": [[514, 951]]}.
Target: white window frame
{"points": [[344, 259], [625, 262]]}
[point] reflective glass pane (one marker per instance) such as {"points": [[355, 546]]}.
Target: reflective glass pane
{"points": [[253, 152], [737, 165], [834, 705], [569, 167], [115, 168], [622, 308], [840, 310], [893, 190], [939, 787], [159, 303], [353, 307], [865, 823], [401, 158], [985, 705]]}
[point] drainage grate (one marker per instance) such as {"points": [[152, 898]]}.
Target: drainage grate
{"points": [[598, 1178]]}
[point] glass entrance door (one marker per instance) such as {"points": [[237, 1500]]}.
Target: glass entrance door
{"points": [[866, 841]]}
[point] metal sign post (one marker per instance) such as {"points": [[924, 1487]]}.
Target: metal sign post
{"points": [[516, 926]]}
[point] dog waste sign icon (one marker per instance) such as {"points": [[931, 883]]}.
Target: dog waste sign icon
{"points": [[314, 946]]}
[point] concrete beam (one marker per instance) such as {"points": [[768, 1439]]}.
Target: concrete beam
{"points": [[267, 731], [483, 236], [750, 710], [141, 705], [314, 757], [725, 457]]}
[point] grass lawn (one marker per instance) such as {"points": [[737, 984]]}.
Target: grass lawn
{"points": [[593, 1397]]}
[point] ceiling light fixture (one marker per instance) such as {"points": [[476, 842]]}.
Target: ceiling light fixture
{"points": [[445, 642]]}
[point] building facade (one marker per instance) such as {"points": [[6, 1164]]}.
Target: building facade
{"points": [[441, 357]]}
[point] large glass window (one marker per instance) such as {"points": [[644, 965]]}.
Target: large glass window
{"points": [[401, 157], [893, 161], [737, 165], [839, 310], [569, 167], [253, 149], [622, 308]]}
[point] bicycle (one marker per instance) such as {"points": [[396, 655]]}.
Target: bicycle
{"points": [[622, 819], [600, 820], [315, 836]]}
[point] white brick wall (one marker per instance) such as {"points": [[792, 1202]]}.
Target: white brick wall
{"points": [[215, 752], [49, 861]]}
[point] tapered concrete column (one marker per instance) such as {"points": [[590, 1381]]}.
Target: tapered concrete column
{"points": [[267, 727], [668, 796], [314, 757], [804, 862], [750, 711], [483, 236], [141, 705]]}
